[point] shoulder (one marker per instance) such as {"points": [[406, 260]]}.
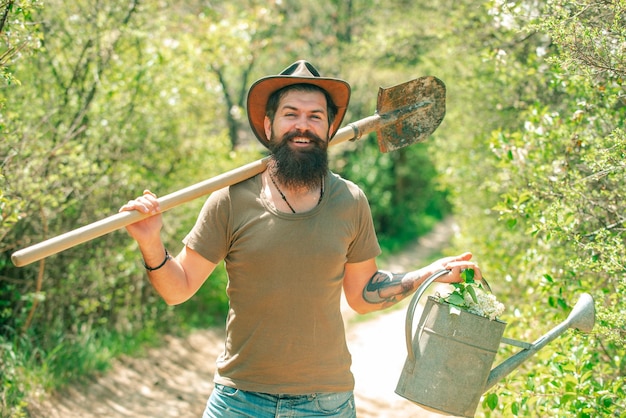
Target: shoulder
{"points": [[345, 187], [229, 193]]}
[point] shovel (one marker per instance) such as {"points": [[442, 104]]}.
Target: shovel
{"points": [[405, 114]]}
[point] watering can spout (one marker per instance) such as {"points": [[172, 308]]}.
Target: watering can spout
{"points": [[582, 317]]}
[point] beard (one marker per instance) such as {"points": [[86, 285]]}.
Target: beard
{"points": [[299, 168]]}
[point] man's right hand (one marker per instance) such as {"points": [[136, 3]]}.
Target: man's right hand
{"points": [[147, 230]]}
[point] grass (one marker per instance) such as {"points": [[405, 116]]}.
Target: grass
{"points": [[29, 372]]}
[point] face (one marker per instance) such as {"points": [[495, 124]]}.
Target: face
{"points": [[299, 138], [299, 112]]}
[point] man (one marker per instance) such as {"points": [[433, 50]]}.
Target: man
{"points": [[292, 238]]}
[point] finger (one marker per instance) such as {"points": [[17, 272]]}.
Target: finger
{"points": [[152, 198], [452, 277], [131, 205], [458, 264], [149, 195], [148, 204], [135, 205], [464, 257], [141, 204]]}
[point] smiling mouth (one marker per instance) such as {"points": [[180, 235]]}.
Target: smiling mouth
{"points": [[300, 140]]}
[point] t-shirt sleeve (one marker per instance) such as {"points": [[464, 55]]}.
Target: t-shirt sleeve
{"points": [[365, 244], [210, 236]]}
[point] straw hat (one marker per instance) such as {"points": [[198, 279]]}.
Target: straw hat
{"points": [[300, 72]]}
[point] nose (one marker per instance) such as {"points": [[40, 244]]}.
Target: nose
{"points": [[302, 123]]}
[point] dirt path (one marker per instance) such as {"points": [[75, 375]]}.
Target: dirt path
{"points": [[176, 380]]}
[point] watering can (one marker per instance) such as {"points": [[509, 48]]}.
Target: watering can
{"points": [[449, 360]]}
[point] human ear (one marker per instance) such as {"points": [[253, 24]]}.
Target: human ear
{"points": [[267, 125]]}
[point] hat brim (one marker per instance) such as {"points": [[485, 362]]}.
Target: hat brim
{"points": [[261, 90]]}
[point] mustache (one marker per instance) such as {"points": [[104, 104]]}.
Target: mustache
{"points": [[303, 134]]}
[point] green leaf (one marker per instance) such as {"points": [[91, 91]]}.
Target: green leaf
{"points": [[511, 223], [467, 275], [492, 401], [552, 301], [523, 198], [472, 292], [456, 299]]}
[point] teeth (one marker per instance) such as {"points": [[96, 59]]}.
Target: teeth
{"points": [[301, 140]]}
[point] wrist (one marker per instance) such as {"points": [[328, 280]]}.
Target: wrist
{"points": [[152, 267], [152, 252], [415, 276]]}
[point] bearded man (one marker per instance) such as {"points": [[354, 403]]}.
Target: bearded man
{"points": [[292, 239]]}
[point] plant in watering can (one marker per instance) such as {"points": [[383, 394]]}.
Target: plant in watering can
{"points": [[472, 296]]}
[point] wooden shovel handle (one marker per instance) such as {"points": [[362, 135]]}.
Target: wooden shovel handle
{"points": [[120, 220]]}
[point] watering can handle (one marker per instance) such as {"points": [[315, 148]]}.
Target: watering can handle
{"points": [[408, 328]]}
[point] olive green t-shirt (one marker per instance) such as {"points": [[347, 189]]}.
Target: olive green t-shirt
{"points": [[284, 331]]}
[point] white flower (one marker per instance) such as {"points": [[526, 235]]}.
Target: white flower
{"points": [[487, 305]]}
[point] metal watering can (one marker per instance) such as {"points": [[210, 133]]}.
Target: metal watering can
{"points": [[449, 360]]}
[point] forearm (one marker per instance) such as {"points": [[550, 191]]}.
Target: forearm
{"points": [[175, 279], [369, 289], [385, 289], [166, 274]]}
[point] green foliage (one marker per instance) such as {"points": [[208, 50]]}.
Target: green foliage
{"points": [[564, 380], [546, 213], [103, 100], [90, 126], [19, 36], [405, 201]]}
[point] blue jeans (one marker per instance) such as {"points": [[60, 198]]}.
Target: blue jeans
{"points": [[227, 402]]}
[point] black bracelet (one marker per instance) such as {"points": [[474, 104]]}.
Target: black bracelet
{"points": [[167, 257]]}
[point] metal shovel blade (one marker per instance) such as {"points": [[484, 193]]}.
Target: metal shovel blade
{"points": [[416, 107]]}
